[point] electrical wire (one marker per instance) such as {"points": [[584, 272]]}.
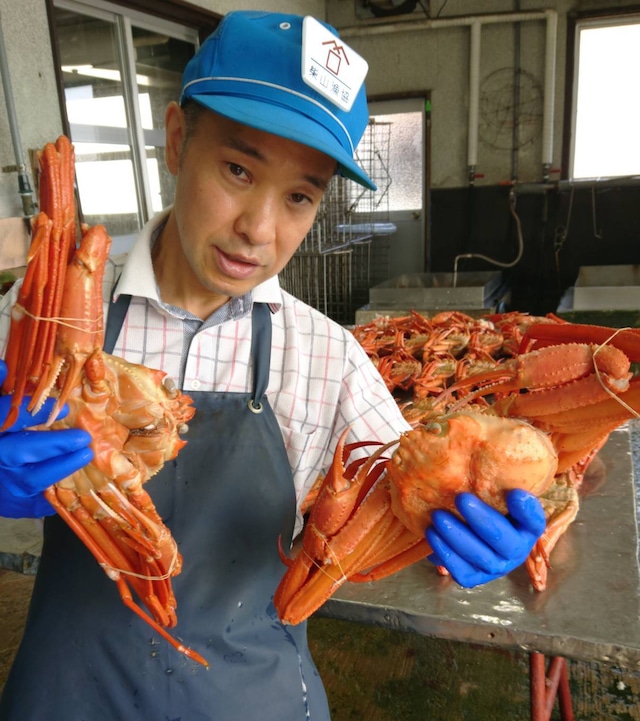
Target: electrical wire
{"points": [[562, 231], [441, 8], [493, 261], [596, 233]]}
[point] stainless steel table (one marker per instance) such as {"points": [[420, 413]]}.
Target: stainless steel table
{"points": [[589, 611]]}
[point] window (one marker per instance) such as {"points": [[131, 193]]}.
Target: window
{"points": [[606, 99], [119, 69], [406, 163]]}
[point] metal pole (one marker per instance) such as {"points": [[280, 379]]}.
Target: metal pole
{"points": [[24, 186]]}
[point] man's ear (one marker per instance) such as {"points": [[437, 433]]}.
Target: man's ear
{"points": [[174, 121]]}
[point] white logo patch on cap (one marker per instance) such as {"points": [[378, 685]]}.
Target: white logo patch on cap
{"points": [[329, 66]]}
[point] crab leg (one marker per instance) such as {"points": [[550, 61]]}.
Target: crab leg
{"points": [[539, 335], [580, 394], [23, 337], [115, 566], [551, 367], [610, 413], [59, 174], [301, 600], [537, 563], [389, 553], [78, 337], [113, 556], [342, 490], [32, 330], [576, 432]]}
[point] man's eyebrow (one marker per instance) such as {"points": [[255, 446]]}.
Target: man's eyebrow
{"points": [[245, 148], [253, 152], [318, 182]]}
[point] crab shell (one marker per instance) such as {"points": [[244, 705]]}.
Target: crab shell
{"points": [[135, 415], [473, 452]]}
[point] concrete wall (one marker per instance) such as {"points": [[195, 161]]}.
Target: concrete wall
{"points": [[437, 59], [26, 35]]}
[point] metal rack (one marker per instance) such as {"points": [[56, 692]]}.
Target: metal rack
{"points": [[347, 249]]}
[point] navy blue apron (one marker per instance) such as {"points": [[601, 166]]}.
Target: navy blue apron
{"points": [[227, 498]]}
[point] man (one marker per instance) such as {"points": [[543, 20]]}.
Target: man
{"points": [[253, 144]]}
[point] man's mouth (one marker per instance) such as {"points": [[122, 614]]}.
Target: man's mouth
{"points": [[236, 266]]}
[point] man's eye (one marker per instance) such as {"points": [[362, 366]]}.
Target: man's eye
{"points": [[236, 170], [300, 198]]}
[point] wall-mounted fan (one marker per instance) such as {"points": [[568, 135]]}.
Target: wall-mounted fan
{"points": [[387, 8], [498, 114]]}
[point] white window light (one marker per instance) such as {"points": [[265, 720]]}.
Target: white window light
{"points": [[606, 107]]}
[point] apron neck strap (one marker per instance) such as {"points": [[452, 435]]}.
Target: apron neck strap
{"points": [[260, 349], [115, 319], [260, 340]]}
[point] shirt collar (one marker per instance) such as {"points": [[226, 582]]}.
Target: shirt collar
{"points": [[137, 277]]}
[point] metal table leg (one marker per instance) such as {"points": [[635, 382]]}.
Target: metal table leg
{"points": [[546, 686]]}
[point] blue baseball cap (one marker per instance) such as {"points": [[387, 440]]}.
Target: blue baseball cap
{"points": [[286, 75]]}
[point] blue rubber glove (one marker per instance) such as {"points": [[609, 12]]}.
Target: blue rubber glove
{"points": [[489, 545], [31, 461]]}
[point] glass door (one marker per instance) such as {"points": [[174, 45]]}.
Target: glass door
{"points": [[407, 207]]}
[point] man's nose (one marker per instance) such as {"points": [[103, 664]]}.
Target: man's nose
{"points": [[258, 220]]}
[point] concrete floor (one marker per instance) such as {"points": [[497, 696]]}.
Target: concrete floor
{"points": [[20, 544]]}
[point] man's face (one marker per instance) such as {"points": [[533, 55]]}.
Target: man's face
{"points": [[245, 200]]}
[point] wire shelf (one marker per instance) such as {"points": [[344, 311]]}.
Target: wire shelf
{"points": [[347, 249]]}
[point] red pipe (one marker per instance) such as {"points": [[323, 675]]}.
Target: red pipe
{"points": [[545, 687]]}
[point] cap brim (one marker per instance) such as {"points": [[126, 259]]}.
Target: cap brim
{"points": [[286, 123]]}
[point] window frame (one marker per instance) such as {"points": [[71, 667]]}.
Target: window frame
{"points": [[180, 21], [575, 22]]}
